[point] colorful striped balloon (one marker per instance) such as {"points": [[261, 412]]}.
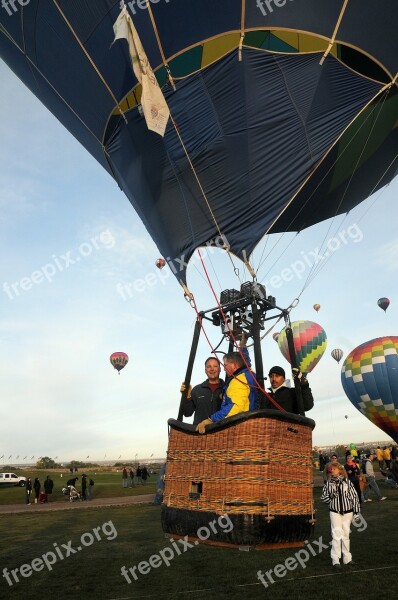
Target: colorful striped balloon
{"points": [[370, 379], [309, 343]]}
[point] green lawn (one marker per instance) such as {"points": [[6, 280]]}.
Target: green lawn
{"points": [[107, 484], [199, 572]]}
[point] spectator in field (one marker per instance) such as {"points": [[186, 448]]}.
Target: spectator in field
{"points": [[354, 473], [339, 493], [84, 486], [125, 478], [36, 487], [387, 456], [371, 480], [131, 475], [394, 469], [139, 474], [327, 471], [28, 489], [48, 487], [322, 460], [380, 457], [71, 481], [90, 484], [144, 475]]}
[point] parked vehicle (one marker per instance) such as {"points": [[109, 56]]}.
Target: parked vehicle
{"points": [[11, 479]]}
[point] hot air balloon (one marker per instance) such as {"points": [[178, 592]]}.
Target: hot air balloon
{"points": [[337, 354], [370, 380], [321, 77], [309, 343], [317, 307], [160, 263], [346, 416], [275, 336], [384, 303], [119, 360]]}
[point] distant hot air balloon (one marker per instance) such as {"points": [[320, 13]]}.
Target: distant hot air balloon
{"points": [[160, 263], [370, 380], [275, 336], [119, 360], [337, 354], [316, 307], [309, 343], [384, 303], [346, 416]]}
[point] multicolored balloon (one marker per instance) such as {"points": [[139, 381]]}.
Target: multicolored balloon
{"points": [[384, 303], [160, 263], [309, 342], [337, 354], [370, 379], [316, 307], [119, 360], [275, 336]]}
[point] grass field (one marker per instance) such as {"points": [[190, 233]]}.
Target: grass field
{"points": [[107, 484], [197, 572]]}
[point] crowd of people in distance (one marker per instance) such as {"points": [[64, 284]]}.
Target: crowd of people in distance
{"points": [[141, 474], [41, 495]]}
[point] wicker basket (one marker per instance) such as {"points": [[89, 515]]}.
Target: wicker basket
{"points": [[254, 467]]}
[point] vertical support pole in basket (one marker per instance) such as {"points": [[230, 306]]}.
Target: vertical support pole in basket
{"points": [[191, 360], [293, 362], [258, 358]]}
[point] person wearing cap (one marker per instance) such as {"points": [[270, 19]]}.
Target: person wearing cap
{"points": [[286, 396], [343, 501]]}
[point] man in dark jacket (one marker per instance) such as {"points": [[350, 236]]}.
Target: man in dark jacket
{"points": [[48, 487], [286, 396], [205, 398]]}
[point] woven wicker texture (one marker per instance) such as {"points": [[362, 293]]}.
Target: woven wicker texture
{"points": [[258, 466]]}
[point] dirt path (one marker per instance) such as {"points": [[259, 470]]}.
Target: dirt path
{"points": [[20, 508]]}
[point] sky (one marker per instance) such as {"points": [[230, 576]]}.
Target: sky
{"points": [[78, 281]]}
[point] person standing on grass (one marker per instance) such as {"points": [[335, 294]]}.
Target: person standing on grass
{"points": [[343, 501], [380, 457], [131, 474], [387, 456], [36, 487], [28, 489], [371, 481], [125, 477], [48, 487]]}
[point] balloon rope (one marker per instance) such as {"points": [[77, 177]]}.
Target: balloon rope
{"points": [[257, 386], [314, 271], [90, 60], [385, 88], [226, 248], [155, 30]]}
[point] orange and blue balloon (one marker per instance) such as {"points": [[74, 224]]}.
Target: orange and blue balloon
{"points": [[309, 343], [370, 379]]}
